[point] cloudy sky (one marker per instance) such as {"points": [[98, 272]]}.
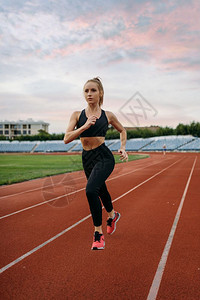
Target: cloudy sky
{"points": [[147, 54]]}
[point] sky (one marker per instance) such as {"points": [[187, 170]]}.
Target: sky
{"points": [[147, 54]]}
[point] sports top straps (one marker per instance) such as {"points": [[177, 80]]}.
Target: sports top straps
{"points": [[98, 129]]}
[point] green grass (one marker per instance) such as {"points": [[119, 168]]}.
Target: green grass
{"points": [[17, 168]]}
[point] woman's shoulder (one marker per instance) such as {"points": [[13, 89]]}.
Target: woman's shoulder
{"points": [[76, 114], [109, 114]]}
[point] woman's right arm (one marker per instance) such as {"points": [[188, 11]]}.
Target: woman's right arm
{"points": [[72, 134]]}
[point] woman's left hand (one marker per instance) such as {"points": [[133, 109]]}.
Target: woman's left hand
{"points": [[123, 155]]}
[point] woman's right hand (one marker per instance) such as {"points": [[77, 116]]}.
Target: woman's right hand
{"points": [[90, 121]]}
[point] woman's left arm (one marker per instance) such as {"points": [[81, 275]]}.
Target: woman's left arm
{"points": [[112, 119]]}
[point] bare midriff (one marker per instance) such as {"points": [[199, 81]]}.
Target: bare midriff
{"points": [[93, 142]]}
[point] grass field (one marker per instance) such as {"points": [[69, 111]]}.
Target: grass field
{"points": [[17, 168]]}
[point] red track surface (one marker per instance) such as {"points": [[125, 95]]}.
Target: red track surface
{"points": [[147, 193]]}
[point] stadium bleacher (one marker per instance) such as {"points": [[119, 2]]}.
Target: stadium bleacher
{"points": [[115, 145], [16, 146], [192, 146], [173, 143], [109, 142], [137, 144], [54, 146], [78, 147]]}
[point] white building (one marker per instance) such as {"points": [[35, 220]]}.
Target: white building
{"points": [[11, 129]]}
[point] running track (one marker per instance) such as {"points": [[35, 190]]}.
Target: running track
{"points": [[154, 253]]}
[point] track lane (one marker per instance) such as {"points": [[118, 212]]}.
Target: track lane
{"points": [[17, 189], [7, 192], [64, 272], [34, 226], [54, 188], [181, 278], [162, 263]]}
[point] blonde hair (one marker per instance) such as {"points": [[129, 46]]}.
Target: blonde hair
{"points": [[100, 87]]}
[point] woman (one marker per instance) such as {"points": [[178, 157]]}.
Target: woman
{"points": [[98, 162]]}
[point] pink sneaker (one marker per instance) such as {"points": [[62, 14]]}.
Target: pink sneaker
{"points": [[98, 242], [111, 223]]}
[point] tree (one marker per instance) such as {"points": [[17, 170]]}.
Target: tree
{"points": [[194, 129], [181, 129]]}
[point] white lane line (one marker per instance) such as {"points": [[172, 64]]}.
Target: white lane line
{"points": [[62, 196], [38, 188], [41, 245], [77, 223], [135, 187], [41, 203], [161, 266]]}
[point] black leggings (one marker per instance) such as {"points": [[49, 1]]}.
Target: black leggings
{"points": [[98, 164]]}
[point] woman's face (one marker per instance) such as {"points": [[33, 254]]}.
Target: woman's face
{"points": [[91, 93]]}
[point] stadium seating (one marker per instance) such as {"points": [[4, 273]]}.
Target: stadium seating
{"points": [[173, 143], [54, 146], [115, 145], [137, 144], [191, 146], [78, 147], [108, 143], [16, 146]]}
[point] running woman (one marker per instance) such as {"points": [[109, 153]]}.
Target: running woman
{"points": [[98, 161]]}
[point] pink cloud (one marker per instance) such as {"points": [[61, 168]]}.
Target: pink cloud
{"points": [[177, 41], [169, 36]]}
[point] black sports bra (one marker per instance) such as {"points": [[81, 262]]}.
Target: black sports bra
{"points": [[98, 129]]}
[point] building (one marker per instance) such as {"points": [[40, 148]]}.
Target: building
{"points": [[12, 129]]}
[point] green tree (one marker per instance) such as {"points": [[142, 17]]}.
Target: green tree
{"points": [[194, 129], [181, 129]]}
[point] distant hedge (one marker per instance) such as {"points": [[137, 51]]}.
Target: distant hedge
{"points": [[182, 129]]}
